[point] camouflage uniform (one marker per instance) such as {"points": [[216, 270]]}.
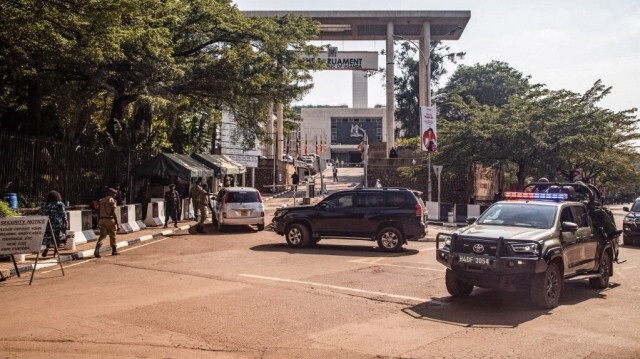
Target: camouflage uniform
{"points": [[107, 223]]}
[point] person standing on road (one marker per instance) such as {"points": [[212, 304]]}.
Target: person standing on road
{"points": [[172, 206], [107, 222], [295, 180], [335, 174], [200, 198], [55, 209]]}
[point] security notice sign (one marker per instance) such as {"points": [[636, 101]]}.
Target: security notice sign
{"points": [[428, 129], [22, 235]]}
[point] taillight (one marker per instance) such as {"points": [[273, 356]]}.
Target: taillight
{"points": [[224, 214], [226, 196], [418, 209], [262, 214], [259, 197]]}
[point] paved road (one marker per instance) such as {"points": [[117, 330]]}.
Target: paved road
{"points": [[245, 294]]}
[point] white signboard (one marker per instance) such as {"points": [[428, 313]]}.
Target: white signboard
{"points": [[428, 129], [347, 60], [233, 145], [22, 235]]}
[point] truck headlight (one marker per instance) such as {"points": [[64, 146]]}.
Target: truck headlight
{"points": [[446, 239], [525, 248]]}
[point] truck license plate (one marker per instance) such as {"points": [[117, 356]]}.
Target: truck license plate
{"points": [[474, 260]]}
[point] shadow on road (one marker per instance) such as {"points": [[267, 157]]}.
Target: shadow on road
{"points": [[334, 250], [489, 308]]}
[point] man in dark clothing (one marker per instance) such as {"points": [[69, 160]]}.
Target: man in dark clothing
{"points": [[172, 202], [335, 174], [295, 179]]}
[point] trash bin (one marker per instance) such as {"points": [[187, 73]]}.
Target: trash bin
{"points": [[451, 219], [12, 200], [311, 190]]}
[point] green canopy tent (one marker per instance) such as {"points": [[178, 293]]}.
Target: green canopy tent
{"points": [[223, 165]]}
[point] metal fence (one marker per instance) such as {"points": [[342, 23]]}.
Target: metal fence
{"points": [[31, 167]]}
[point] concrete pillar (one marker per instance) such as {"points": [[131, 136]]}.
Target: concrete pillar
{"points": [[390, 99], [424, 73], [360, 90], [279, 130]]}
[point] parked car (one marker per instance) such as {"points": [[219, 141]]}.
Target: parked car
{"points": [[390, 216], [630, 224], [238, 206]]}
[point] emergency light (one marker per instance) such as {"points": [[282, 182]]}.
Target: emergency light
{"points": [[531, 195]]}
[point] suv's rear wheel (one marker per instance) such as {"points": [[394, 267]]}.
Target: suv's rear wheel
{"points": [[545, 287], [456, 287], [604, 270], [261, 227], [297, 236], [389, 239]]}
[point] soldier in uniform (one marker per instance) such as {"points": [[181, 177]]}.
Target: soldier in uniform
{"points": [[199, 196], [107, 222], [172, 206]]}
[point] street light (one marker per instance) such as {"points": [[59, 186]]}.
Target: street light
{"points": [[428, 103], [365, 154]]}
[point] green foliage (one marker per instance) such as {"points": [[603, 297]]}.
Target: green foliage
{"points": [[6, 211], [145, 74], [407, 110], [412, 143]]}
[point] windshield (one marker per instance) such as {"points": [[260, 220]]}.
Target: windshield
{"points": [[519, 215], [243, 197], [636, 206]]}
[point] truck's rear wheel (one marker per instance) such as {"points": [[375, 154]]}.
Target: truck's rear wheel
{"points": [[604, 270], [546, 287], [456, 287]]}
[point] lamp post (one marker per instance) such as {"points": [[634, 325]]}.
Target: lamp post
{"points": [[426, 60], [366, 156]]}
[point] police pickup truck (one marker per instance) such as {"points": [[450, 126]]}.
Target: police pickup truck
{"points": [[533, 240]]}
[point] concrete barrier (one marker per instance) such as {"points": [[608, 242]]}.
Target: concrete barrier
{"points": [[126, 215], [80, 228], [155, 213], [187, 209], [450, 212], [139, 219]]}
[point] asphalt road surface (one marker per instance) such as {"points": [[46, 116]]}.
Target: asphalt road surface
{"points": [[245, 294]]}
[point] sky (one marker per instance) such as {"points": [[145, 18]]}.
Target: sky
{"points": [[562, 44]]}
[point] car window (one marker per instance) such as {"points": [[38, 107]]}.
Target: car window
{"points": [[242, 197], [372, 199], [580, 216], [636, 206], [341, 201], [519, 215], [394, 199], [566, 215]]}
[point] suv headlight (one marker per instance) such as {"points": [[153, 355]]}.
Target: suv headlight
{"points": [[524, 248], [279, 213], [446, 239]]}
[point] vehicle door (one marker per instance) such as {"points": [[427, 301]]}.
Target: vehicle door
{"points": [[585, 259], [369, 213], [571, 246], [335, 215], [219, 202]]}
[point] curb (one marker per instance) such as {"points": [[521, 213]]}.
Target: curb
{"points": [[89, 253], [447, 224]]}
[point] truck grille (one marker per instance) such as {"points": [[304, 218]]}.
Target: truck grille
{"points": [[465, 245]]}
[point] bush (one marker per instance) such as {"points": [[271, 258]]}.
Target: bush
{"points": [[6, 211]]}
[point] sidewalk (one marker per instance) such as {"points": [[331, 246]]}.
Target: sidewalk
{"points": [[86, 250]]}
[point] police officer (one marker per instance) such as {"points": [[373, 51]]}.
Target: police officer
{"points": [[107, 222], [200, 197]]}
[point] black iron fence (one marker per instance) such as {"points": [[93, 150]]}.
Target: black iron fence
{"points": [[31, 167]]}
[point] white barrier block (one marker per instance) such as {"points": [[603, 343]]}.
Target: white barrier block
{"points": [[434, 210]]}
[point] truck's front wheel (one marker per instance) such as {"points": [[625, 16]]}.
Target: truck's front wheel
{"points": [[545, 287], [455, 286]]}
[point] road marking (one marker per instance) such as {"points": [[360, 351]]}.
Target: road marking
{"points": [[121, 250], [427, 249], [368, 260], [347, 289]]}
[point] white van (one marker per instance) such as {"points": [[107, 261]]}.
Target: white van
{"points": [[239, 206]]}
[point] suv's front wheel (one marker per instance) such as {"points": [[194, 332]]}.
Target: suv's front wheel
{"points": [[389, 239], [545, 287], [455, 286], [297, 236]]}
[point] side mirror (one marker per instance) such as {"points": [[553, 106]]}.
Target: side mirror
{"points": [[322, 206], [214, 197], [569, 227], [626, 209], [471, 220]]}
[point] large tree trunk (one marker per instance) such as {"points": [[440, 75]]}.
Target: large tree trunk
{"points": [[115, 123]]}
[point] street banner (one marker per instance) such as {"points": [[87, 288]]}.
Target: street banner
{"points": [[428, 129]]}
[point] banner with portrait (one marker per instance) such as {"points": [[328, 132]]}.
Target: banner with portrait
{"points": [[428, 129]]}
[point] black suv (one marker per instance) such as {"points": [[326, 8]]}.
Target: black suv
{"points": [[390, 216], [631, 224]]}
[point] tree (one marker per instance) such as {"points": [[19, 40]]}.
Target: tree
{"points": [[407, 110]]}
